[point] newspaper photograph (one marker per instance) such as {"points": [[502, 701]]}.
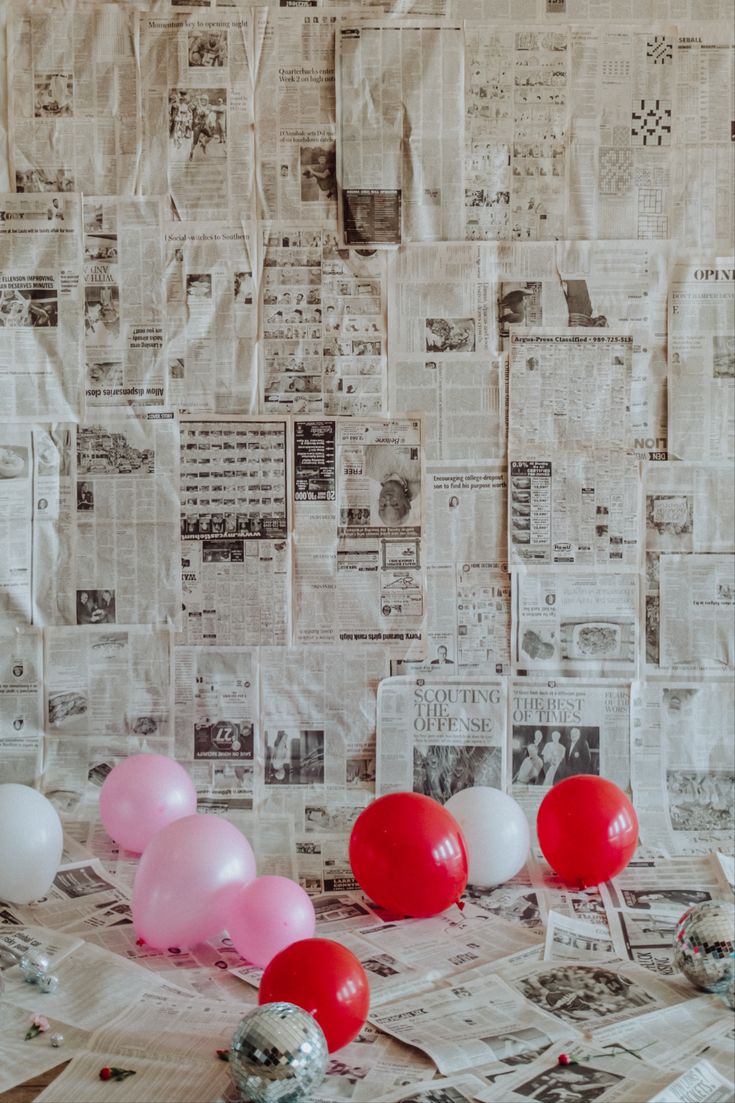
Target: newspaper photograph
{"points": [[393, 190], [575, 623], [234, 531], [683, 764], [211, 316], [563, 728], [702, 359], [443, 337], [123, 307], [688, 509], [323, 325], [440, 735], [359, 572], [74, 119], [197, 104], [296, 118], [40, 308]]}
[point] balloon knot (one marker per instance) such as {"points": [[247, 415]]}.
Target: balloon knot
{"points": [[460, 905]]}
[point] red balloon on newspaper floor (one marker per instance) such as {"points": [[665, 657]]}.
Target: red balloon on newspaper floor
{"points": [[587, 829], [408, 855], [325, 979]]}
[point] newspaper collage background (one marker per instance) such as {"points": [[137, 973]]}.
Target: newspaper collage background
{"points": [[367, 384]]}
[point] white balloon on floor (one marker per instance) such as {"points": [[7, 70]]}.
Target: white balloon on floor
{"points": [[495, 830], [31, 841]]}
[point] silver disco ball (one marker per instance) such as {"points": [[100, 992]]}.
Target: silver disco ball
{"points": [[704, 948], [278, 1054]]}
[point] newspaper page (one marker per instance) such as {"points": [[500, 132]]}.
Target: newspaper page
{"points": [[16, 513], [439, 735], [401, 131], [111, 517], [217, 721], [704, 108], [702, 359], [468, 585], [197, 110], [689, 508], [683, 764], [571, 939], [234, 531], [107, 695], [563, 728], [74, 98], [701, 1082], [40, 309], [697, 626], [574, 493], [211, 316], [516, 118], [315, 752], [123, 307], [443, 339], [623, 131], [616, 285], [359, 563], [296, 117], [21, 707], [575, 623], [323, 334]]}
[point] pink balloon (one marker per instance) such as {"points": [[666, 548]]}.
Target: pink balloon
{"points": [[266, 916], [141, 795], [186, 877]]}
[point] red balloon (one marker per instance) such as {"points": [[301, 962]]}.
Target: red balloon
{"points": [[408, 855], [587, 829], [324, 978]]}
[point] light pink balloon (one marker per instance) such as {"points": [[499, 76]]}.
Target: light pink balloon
{"points": [[266, 916], [141, 795], [186, 877]]}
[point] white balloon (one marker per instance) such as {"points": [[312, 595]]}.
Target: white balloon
{"points": [[31, 841], [495, 830]]}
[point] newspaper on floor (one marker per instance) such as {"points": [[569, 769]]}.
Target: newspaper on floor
{"points": [[82, 897], [574, 493], [234, 531], [683, 764], [211, 316], [571, 939], [197, 107], [40, 314], [443, 339], [702, 1083], [438, 735], [107, 511], [563, 728], [22, 1062], [74, 98], [689, 510], [702, 358], [323, 341], [468, 584], [296, 117], [21, 707], [398, 184], [575, 624], [359, 574], [123, 301]]}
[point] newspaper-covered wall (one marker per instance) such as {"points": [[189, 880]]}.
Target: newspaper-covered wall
{"points": [[367, 391]]}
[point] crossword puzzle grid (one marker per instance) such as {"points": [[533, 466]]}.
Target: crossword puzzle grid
{"points": [[652, 221], [651, 123], [616, 171], [660, 49]]}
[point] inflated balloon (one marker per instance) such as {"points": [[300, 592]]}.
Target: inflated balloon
{"points": [[31, 841], [587, 829], [495, 831], [266, 916], [187, 876], [141, 795], [408, 855], [325, 979]]}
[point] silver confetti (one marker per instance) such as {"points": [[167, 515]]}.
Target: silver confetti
{"points": [[48, 982]]}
